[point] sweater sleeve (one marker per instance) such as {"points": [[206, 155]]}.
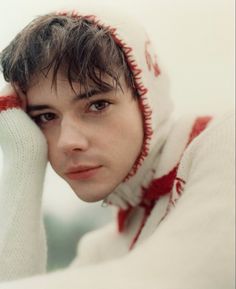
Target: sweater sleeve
{"points": [[22, 237], [193, 247]]}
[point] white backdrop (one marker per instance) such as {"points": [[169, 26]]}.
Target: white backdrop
{"points": [[194, 39]]}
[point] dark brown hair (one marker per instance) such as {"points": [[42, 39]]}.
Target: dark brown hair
{"points": [[79, 48]]}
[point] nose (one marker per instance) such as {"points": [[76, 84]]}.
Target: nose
{"points": [[72, 136]]}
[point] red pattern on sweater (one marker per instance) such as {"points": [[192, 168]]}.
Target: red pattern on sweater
{"points": [[151, 60], [160, 187], [10, 101]]}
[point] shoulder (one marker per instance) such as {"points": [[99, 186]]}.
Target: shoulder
{"points": [[208, 162], [177, 140], [216, 140]]}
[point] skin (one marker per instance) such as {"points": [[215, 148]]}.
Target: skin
{"points": [[103, 132]]}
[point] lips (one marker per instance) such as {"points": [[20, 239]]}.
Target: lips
{"points": [[82, 172]]}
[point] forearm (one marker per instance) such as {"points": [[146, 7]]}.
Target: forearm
{"points": [[22, 238]]}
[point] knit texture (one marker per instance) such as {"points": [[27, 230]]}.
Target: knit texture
{"points": [[190, 247], [22, 238]]}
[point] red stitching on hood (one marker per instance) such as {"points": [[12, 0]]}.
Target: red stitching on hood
{"points": [[144, 107], [142, 90]]}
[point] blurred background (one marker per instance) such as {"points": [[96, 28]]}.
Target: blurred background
{"points": [[195, 43]]}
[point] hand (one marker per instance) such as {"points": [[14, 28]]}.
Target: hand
{"points": [[16, 127]]}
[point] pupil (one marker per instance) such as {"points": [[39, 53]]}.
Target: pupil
{"points": [[48, 116], [100, 105]]}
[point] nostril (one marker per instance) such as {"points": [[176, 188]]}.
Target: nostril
{"points": [[71, 143]]}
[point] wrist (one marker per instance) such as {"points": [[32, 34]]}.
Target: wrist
{"points": [[21, 136]]}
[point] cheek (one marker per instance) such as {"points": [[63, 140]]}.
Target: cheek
{"points": [[52, 158], [53, 155], [133, 127], [133, 135], [125, 138]]}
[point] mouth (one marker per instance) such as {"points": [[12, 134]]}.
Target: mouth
{"points": [[82, 172]]}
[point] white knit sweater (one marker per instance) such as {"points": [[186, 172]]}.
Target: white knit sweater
{"points": [[22, 238], [187, 241], [193, 247]]}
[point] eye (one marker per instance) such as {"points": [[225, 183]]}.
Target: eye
{"points": [[99, 105], [43, 118]]}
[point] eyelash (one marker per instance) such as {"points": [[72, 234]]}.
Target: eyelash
{"points": [[108, 103], [38, 118]]}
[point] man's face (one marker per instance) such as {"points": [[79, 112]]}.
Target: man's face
{"points": [[93, 142]]}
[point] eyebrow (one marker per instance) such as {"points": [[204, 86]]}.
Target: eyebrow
{"points": [[87, 94], [31, 108], [80, 96]]}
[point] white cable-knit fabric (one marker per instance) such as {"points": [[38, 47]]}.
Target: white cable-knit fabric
{"points": [[191, 247], [22, 238]]}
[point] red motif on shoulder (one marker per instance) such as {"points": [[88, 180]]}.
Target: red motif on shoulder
{"points": [[169, 183], [199, 125], [151, 60]]}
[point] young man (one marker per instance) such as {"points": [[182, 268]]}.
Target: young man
{"points": [[94, 89]]}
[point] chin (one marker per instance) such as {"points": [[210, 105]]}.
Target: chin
{"points": [[90, 197]]}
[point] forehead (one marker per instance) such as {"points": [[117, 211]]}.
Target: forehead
{"points": [[44, 88], [48, 80]]}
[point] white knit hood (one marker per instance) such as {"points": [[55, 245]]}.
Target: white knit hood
{"points": [[152, 86]]}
